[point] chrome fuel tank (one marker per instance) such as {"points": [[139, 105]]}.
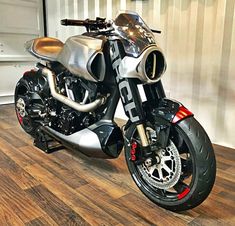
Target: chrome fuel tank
{"points": [[83, 56]]}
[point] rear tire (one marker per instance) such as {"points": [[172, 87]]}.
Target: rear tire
{"points": [[22, 96], [203, 169]]}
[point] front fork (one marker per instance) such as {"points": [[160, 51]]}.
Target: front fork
{"points": [[133, 108], [130, 96], [132, 103]]}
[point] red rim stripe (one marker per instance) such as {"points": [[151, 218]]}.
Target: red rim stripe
{"points": [[184, 193], [20, 118]]}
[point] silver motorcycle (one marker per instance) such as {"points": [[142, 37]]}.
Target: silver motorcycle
{"points": [[73, 96]]}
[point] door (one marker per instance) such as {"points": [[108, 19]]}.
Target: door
{"points": [[20, 20]]}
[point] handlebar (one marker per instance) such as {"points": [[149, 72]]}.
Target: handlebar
{"points": [[99, 23], [92, 25], [68, 22]]}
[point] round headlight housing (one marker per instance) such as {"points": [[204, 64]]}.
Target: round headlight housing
{"points": [[154, 65]]}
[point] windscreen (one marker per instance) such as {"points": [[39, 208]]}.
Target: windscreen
{"points": [[135, 34]]}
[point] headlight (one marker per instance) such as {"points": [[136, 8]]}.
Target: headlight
{"points": [[148, 67], [154, 65]]}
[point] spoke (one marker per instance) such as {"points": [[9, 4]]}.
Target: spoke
{"points": [[166, 158], [165, 167], [151, 169], [160, 173]]}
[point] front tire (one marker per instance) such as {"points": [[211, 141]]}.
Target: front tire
{"points": [[197, 177]]}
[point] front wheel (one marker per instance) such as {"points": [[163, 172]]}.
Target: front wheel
{"points": [[185, 170]]}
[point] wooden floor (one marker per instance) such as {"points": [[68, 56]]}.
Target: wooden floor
{"points": [[67, 188]]}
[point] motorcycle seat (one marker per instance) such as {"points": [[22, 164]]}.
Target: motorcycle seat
{"points": [[45, 48]]}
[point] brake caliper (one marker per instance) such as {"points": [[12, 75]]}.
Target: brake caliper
{"points": [[133, 151]]}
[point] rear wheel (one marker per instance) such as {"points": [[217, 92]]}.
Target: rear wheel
{"points": [[23, 93], [185, 170]]}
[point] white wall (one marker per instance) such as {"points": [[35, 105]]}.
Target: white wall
{"points": [[198, 39], [19, 21]]}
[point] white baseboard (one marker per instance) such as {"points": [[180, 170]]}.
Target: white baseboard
{"points": [[6, 99]]}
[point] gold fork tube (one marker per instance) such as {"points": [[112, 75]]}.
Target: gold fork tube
{"points": [[142, 134]]}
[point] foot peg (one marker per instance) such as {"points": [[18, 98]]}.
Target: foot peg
{"points": [[46, 143]]}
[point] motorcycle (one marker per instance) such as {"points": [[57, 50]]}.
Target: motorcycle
{"points": [[72, 99]]}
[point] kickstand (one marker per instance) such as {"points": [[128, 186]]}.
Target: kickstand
{"points": [[46, 143]]}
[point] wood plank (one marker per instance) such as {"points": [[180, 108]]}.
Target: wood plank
{"points": [[217, 211], [25, 137], [81, 167], [12, 139], [104, 201], [224, 197], [44, 220], [104, 171], [13, 197], [146, 210], [115, 208], [68, 176], [8, 216], [54, 207], [90, 212], [203, 219], [15, 154], [8, 167], [227, 153], [225, 184]]}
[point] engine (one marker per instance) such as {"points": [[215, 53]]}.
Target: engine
{"points": [[69, 121], [48, 111]]}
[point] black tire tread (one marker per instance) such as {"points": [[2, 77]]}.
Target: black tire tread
{"points": [[205, 156]]}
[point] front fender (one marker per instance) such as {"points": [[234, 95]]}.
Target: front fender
{"points": [[167, 112], [181, 114], [171, 111]]}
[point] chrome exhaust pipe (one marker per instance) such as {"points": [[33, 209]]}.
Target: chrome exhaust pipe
{"points": [[77, 106]]}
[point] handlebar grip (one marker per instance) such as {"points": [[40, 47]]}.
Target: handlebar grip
{"points": [[68, 22], [156, 31]]}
